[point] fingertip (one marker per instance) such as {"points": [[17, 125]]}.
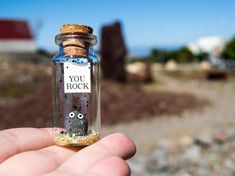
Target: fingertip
{"points": [[120, 139], [127, 140]]}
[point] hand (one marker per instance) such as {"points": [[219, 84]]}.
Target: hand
{"points": [[30, 152]]}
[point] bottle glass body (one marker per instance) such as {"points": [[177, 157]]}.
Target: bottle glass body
{"points": [[76, 92]]}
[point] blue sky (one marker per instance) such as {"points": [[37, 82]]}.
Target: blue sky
{"points": [[146, 23]]}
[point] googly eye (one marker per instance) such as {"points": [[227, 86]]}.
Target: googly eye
{"points": [[80, 116], [71, 114]]}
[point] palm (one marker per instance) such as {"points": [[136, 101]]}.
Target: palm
{"points": [[29, 151]]}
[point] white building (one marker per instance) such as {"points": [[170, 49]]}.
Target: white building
{"points": [[213, 45], [16, 37]]}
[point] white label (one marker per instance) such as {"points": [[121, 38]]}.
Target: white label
{"points": [[77, 78]]}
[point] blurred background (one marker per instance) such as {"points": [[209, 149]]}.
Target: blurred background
{"points": [[168, 71]]}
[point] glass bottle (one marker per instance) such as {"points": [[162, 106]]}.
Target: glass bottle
{"points": [[76, 87]]}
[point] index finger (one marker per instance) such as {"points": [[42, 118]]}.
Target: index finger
{"points": [[19, 140]]}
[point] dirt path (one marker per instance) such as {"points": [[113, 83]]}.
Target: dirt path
{"points": [[221, 114]]}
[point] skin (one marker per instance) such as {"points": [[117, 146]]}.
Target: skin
{"points": [[30, 151]]}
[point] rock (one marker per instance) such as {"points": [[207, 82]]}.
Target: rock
{"points": [[183, 173], [204, 140], [232, 156], [139, 72], [202, 171], [192, 154], [188, 159], [231, 135], [113, 52], [229, 164], [220, 137], [217, 148], [171, 65], [205, 66], [211, 157], [165, 143], [185, 141], [158, 162], [137, 165]]}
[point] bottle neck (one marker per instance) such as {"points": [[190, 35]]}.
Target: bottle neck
{"points": [[75, 51]]}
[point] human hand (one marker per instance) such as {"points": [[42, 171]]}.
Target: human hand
{"points": [[30, 152]]}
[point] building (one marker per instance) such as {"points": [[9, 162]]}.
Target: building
{"points": [[212, 45], [16, 37]]}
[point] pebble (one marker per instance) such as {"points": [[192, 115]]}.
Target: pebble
{"points": [[183, 173], [232, 156], [192, 154], [185, 141], [208, 155], [231, 135], [220, 137], [204, 139]]}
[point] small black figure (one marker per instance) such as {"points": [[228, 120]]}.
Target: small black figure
{"points": [[76, 123]]}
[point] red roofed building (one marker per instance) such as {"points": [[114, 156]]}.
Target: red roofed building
{"points": [[16, 37]]}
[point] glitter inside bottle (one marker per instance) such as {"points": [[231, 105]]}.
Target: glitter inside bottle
{"points": [[76, 89]]}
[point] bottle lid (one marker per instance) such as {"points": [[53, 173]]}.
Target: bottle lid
{"points": [[71, 28]]}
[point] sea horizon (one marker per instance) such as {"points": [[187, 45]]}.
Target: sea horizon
{"points": [[142, 51]]}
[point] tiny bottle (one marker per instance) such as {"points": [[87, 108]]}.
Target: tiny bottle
{"points": [[76, 87]]}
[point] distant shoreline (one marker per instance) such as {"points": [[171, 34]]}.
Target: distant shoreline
{"points": [[146, 51]]}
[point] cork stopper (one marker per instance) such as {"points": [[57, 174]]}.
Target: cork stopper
{"points": [[74, 45], [71, 28]]}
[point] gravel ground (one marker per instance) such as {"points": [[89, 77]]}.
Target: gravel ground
{"points": [[149, 135]]}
